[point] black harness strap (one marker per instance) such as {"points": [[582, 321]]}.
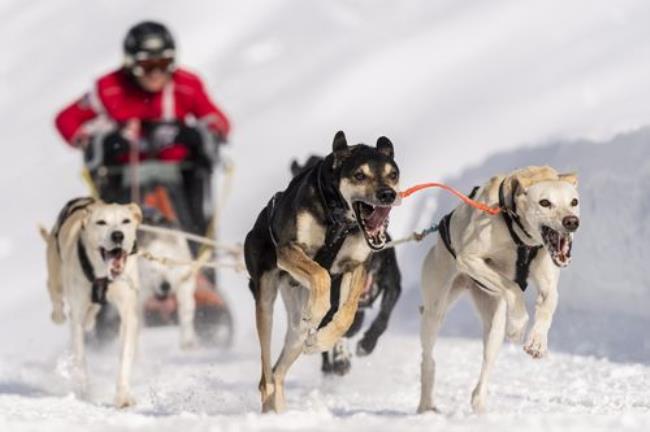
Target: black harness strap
{"points": [[99, 285], [445, 234], [525, 254], [338, 226], [444, 226], [335, 209], [71, 207]]}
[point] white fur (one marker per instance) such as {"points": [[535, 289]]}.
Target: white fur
{"points": [[68, 285], [182, 280], [487, 253]]}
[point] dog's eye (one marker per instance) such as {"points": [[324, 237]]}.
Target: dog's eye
{"points": [[545, 203], [101, 222], [126, 221], [359, 176], [574, 202], [392, 176]]}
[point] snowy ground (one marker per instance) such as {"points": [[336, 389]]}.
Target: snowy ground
{"points": [[210, 391]]}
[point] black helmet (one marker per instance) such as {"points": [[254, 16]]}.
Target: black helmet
{"points": [[148, 40]]}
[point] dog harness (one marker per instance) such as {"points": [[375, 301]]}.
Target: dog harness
{"points": [[525, 254], [335, 209], [99, 285]]}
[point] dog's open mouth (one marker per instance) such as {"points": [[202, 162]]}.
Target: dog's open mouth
{"points": [[373, 220], [558, 245], [115, 260]]}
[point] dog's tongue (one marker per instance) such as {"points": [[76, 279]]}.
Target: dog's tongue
{"points": [[376, 219], [117, 262]]}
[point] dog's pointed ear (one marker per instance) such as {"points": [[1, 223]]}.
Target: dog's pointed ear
{"points": [[295, 167], [519, 184], [340, 143], [136, 211], [385, 146], [569, 178], [340, 148]]}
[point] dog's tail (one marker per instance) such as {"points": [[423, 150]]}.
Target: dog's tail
{"points": [[44, 232]]}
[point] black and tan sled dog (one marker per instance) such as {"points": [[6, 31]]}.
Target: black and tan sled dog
{"points": [[327, 222], [384, 281]]}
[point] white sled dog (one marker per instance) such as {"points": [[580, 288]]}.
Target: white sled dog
{"points": [[161, 281], [492, 257], [90, 261]]}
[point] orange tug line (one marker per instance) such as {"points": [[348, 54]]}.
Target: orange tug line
{"points": [[467, 200]]}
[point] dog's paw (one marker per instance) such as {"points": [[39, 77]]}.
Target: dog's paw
{"points": [[124, 400], [516, 328], [311, 343], [365, 347], [478, 403], [422, 409], [537, 345], [58, 316], [190, 343], [341, 358]]}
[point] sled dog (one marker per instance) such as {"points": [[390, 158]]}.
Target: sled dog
{"points": [[327, 222], [383, 281], [90, 262], [493, 257]]}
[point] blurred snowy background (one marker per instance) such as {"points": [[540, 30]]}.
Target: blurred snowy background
{"points": [[465, 89]]}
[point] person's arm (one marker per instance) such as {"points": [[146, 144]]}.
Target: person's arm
{"points": [[207, 113], [71, 120]]}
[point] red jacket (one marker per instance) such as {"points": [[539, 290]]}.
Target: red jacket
{"points": [[116, 97]]}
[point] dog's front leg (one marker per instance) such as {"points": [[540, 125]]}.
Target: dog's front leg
{"points": [[352, 283], [546, 276], [79, 372], [186, 308], [475, 267], [293, 259], [123, 294], [388, 301]]}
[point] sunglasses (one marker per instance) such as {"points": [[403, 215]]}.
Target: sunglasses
{"points": [[147, 66]]}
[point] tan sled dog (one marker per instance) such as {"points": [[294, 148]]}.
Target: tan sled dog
{"points": [[492, 257], [89, 262]]}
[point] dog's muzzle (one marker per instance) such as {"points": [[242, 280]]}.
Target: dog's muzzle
{"points": [[559, 244]]}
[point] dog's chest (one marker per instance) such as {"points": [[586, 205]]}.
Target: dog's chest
{"points": [[353, 252]]}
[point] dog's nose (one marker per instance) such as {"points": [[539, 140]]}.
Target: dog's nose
{"points": [[571, 223], [165, 287], [386, 195], [117, 236]]}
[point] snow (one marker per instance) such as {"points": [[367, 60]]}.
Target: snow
{"points": [[451, 83], [206, 391]]}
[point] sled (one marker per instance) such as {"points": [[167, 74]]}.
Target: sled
{"points": [[160, 185]]}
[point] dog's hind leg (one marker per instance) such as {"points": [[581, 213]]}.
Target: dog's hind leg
{"points": [[294, 299], [186, 308], [492, 310], [124, 297], [353, 284], [265, 288], [437, 280], [54, 284]]}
